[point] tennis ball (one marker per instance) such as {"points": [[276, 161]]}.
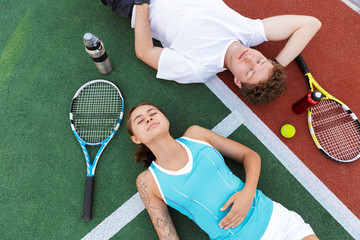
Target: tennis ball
{"points": [[288, 130]]}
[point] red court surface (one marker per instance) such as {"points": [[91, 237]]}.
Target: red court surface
{"points": [[333, 57]]}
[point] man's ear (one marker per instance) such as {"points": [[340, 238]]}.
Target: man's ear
{"points": [[135, 140], [237, 82]]}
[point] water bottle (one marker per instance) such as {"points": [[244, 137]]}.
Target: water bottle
{"points": [[95, 48], [311, 99]]}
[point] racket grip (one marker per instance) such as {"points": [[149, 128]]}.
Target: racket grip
{"points": [[89, 187], [302, 64]]}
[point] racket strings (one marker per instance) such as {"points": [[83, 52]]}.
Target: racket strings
{"points": [[96, 112], [336, 131]]}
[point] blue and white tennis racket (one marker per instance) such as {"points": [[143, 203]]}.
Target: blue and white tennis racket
{"points": [[96, 112]]}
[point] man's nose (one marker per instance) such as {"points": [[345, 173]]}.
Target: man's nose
{"points": [[248, 58]]}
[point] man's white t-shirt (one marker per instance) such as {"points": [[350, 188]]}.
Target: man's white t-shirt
{"points": [[196, 34]]}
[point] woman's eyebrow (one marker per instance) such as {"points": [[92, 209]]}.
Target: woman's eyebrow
{"points": [[141, 114], [137, 117]]}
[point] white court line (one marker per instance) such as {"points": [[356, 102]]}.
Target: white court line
{"points": [[295, 166], [117, 220], [227, 126], [352, 5]]}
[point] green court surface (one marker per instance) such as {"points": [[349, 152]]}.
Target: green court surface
{"points": [[42, 176]]}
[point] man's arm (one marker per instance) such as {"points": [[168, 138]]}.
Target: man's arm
{"points": [[156, 207], [299, 30], [144, 46]]}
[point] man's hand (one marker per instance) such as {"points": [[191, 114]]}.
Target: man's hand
{"points": [[241, 203], [298, 30]]}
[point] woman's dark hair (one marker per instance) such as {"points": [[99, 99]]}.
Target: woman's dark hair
{"points": [[143, 154], [268, 90]]}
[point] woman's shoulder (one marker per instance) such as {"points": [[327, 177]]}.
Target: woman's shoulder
{"points": [[145, 182], [196, 132], [146, 185], [144, 176]]}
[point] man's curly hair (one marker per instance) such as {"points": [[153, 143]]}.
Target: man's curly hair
{"points": [[266, 91]]}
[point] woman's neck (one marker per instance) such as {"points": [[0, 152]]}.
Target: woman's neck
{"points": [[169, 153]]}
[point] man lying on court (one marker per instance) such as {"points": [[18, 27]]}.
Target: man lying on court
{"points": [[189, 174], [204, 37]]}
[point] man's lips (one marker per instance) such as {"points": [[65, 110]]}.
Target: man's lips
{"points": [[152, 125], [242, 54]]}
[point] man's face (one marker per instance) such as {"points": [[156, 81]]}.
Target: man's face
{"points": [[250, 66]]}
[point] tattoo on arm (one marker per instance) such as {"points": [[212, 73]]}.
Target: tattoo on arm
{"points": [[165, 228], [159, 216], [142, 188]]}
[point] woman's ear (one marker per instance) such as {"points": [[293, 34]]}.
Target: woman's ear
{"points": [[135, 140], [237, 82]]}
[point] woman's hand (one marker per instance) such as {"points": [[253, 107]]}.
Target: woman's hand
{"points": [[241, 203]]}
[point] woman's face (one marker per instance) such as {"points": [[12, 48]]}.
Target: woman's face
{"points": [[147, 124]]}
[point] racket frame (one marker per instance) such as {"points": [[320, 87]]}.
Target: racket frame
{"points": [[90, 167]]}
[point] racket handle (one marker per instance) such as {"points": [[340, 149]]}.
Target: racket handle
{"points": [[302, 64], [87, 214]]}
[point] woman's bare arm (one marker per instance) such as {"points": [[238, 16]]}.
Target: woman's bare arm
{"points": [[155, 206]]}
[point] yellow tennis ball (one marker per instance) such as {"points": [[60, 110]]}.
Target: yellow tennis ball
{"points": [[288, 130]]}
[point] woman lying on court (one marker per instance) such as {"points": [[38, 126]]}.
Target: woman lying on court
{"points": [[190, 175]]}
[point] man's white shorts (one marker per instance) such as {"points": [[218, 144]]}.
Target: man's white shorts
{"points": [[285, 224]]}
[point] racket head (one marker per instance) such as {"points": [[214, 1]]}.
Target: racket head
{"points": [[96, 112], [335, 130]]}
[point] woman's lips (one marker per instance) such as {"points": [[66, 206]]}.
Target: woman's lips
{"points": [[152, 125]]}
